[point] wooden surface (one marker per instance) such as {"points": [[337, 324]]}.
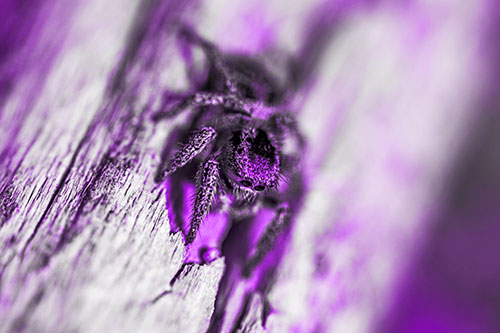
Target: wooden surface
{"points": [[85, 239]]}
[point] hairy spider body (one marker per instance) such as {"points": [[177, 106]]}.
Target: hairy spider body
{"points": [[239, 131]]}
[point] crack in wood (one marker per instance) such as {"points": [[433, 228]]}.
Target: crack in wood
{"points": [[58, 189], [184, 269], [160, 296]]}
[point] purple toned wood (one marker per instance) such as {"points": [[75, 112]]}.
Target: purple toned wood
{"points": [[85, 237]]}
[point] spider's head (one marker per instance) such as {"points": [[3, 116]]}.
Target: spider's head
{"points": [[254, 160]]}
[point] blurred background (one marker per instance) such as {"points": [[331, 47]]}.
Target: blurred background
{"points": [[398, 101]]}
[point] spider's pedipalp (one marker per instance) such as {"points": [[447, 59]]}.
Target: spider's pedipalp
{"points": [[206, 187], [196, 144]]}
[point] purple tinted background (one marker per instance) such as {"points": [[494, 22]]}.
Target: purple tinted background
{"points": [[453, 283]]}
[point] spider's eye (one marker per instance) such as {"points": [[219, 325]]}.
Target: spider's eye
{"points": [[246, 183], [259, 188]]}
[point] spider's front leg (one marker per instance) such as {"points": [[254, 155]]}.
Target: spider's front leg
{"points": [[206, 186], [195, 145], [267, 241]]}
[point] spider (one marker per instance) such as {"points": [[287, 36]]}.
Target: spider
{"points": [[239, 133]]}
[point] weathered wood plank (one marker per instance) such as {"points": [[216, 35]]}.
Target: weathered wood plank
{"points": [[85, 234]]}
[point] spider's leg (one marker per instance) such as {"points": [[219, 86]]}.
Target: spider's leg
{"points": [[214, 55], [267, 241], [206, 99], [195, 145], [206, 187], [289, 164], [285, 124], [230, 102], [227, 101]]}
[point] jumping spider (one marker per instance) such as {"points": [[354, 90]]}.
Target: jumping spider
{"points": [[239, 130]]}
